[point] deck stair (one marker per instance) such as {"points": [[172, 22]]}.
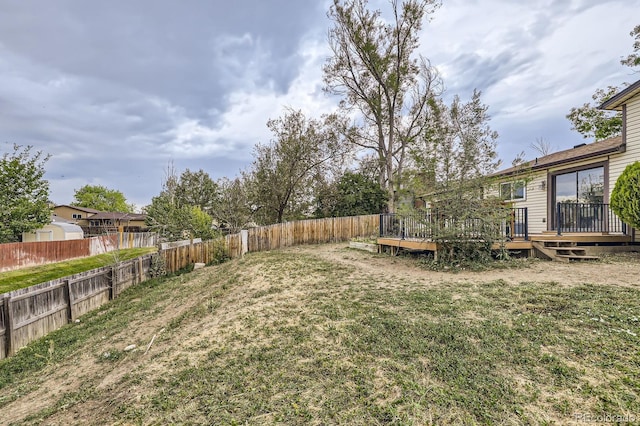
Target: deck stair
{"points": [[562, 251]]}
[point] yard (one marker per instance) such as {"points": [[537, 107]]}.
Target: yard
{"points": [[325, 335]]}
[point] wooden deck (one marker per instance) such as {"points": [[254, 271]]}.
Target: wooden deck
{"points": [[595, 239]]}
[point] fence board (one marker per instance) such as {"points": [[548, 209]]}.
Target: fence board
{"points": [[3, 328]]}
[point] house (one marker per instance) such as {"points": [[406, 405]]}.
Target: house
{"points": [[569, 191], [78, 215], [560, 201], [96, 222], [58, 230]]}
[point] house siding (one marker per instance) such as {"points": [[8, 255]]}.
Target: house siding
{"points": [[618, 163]]}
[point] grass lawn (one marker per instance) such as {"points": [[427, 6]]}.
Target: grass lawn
{"points": [[299, 337], [13, 280]]}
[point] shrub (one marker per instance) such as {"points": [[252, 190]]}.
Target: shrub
{"points": [[625, 198]]}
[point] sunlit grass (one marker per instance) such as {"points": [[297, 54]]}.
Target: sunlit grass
{"points": [[13, 280]]}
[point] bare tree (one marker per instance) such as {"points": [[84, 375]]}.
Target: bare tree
{"points": [[373, 67], [542, 147]]}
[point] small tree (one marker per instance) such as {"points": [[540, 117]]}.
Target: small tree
{"points": [[172, 219], [625, 197], [24, 194]]}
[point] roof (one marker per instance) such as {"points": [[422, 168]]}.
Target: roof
{"points": [[577, 153], [82, 209], [118, 216], [57, 219], [621, 98], [68, 227]]}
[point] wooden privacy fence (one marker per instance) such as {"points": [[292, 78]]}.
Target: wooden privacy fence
{"points": [[20, 255], [273, 237], [30, 313], [311, 231]]}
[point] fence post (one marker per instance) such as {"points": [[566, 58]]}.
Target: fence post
{"points": [[244, 242], [8, 323], [68, 297], [381, 225], [113, 274]]}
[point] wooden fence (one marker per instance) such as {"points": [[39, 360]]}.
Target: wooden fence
{"points": [[20, 255], [312, 231], [30, 313]]}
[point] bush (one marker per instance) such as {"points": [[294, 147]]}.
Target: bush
{"points": [[625, 198]]}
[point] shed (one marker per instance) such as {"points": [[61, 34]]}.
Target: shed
{"points": [[58, 230]]}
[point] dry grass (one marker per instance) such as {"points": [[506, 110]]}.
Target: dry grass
{"points": [[326, 335]]}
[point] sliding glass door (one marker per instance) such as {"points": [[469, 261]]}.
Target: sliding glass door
{"points": [[581, 194]]}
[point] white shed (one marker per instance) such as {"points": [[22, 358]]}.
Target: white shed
{"points": [[58, 230]]}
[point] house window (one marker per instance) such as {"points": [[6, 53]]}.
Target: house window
{"points": [[95, 223], [76, 216], [512, 191]]}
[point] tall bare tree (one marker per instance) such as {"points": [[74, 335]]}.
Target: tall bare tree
{"points": [[375, 68]]}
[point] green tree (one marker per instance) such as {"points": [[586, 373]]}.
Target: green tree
{"points": [[102, 198], [374, 66], [197, 189], [457, 146], [284, 171], [625, 197], [24, 194], [353, 195], [592, 122], [633, 59], [172, 219]]}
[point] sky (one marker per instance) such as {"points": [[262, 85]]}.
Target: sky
{"points": [[117, 90]]}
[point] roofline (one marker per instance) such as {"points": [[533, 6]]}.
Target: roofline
{"points": [[613, 150], [620, 98]]}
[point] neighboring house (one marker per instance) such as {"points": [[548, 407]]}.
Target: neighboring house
{"points": [[570, 190], [96, 222], [58, 230], [78, 215]]}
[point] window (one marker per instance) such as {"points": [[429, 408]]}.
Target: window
{"points": [[512, 191], [582, 186], [76, 216]]}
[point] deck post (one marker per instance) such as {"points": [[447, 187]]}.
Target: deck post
{"points": [[526, 224], [558, 221]]}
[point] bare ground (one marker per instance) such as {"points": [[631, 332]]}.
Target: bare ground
{"points": [[86, 373]]}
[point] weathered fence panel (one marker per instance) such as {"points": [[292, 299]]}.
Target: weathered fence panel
{"points": [[311, 231], [21, 255], [3, 328], [33, 312]]}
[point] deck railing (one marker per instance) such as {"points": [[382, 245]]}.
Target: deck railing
{"points": [[430, 223], [587, 217]]}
